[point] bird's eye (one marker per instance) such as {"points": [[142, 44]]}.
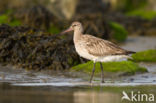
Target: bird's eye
{"points": [[74, 25]]}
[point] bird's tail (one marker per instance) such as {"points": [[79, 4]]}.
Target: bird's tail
{"points": [[130, 52]]}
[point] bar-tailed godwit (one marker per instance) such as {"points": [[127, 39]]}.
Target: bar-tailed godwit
{"points": [[96, 49]]}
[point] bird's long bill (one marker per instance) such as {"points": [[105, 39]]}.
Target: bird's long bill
{"points": [[68, 30]]}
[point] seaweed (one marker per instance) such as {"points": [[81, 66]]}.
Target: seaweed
{"points": [[119, 32], [34, 49], [5, 19], [149, 15]]}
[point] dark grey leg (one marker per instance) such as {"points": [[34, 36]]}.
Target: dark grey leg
{"points": [[92, 73], [102, 74]]}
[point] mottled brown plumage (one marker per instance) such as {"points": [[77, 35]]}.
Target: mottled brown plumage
{"points": [[99, 47]]}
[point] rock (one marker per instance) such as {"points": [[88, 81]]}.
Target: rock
{"points": [[151, 5], [18, 4], [92, 7], [114, 69], [35, 49], [145, 56], [133, 24], [63, 9], [36, 17]]}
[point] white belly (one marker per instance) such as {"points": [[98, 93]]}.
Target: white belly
{"points": [[84, 53], [112, 58]]}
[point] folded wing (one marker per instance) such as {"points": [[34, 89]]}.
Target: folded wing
{"points": [[99, 47]]}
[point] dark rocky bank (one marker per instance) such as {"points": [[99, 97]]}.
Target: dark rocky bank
{"points": [[34, 49]]}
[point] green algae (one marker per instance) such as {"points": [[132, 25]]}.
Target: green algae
{"points": [[130, 5], [4, 19], [149, 15], [128, 67], [53, 29], [145, 56], [119, 32]]}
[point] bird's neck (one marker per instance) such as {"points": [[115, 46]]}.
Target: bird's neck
{"points": [[77, 35]]}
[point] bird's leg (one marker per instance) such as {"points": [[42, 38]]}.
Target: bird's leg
{"points": [[102, 74], [92, 73]]}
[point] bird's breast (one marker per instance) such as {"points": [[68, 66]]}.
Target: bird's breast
{"points": [[82, 51]]}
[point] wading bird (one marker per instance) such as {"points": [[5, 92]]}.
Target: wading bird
{"points": [[96, 49]]}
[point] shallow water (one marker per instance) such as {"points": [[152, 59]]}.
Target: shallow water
{"points": [[65, 94], [139, 43], [21, 86], [21, 77]]}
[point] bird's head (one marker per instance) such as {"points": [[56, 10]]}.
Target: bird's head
{"points": [[75, 26]]}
